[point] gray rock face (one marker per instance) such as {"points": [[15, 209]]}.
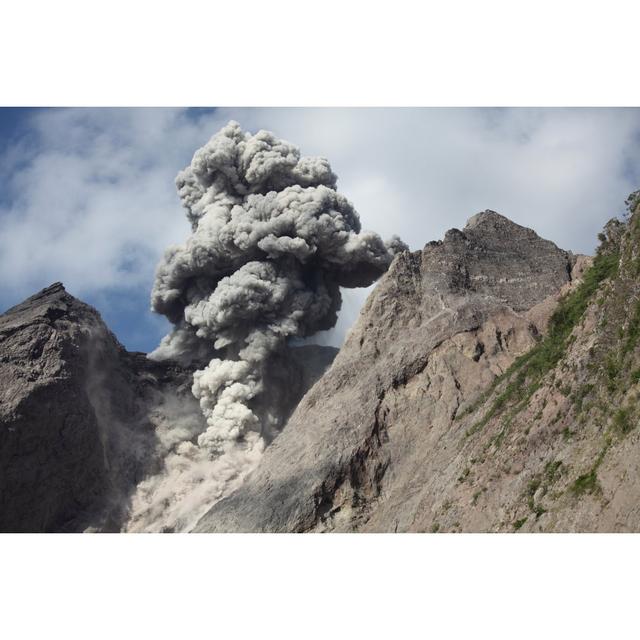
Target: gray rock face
{"points": [[79, 415], [52, 465], [496, 258], [441, 324], [75, 434]]}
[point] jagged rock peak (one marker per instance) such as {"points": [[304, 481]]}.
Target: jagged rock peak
{"points": [[491, 256], [492, 219], [55, 291]]}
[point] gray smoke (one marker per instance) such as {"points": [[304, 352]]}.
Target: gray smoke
{"points": [[272, 242]]}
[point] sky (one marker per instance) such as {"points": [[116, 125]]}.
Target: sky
{"points": [[87, 196]]}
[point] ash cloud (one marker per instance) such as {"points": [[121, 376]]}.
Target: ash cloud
{"points": [[272, 242]]}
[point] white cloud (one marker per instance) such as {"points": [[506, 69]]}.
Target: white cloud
{"points": [[419, 172], [94, 200], [94, 204]]}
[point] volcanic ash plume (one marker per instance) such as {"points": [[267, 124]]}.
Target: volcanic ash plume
{"points": [[272, 243]]}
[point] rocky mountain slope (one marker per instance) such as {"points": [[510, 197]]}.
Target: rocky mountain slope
{"points": [[490, 384], [82, 419]]}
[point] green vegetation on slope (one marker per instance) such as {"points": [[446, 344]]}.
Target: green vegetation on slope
{"points": [[588, 482], [526, 373], [601, 386]]}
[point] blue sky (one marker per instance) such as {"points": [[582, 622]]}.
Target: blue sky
{"points": [[87, 196]]}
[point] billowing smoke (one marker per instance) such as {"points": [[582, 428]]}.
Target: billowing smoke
{"points": [[272, 242]]}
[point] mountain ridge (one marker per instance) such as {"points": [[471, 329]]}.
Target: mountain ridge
{"points": [[491, 383]]}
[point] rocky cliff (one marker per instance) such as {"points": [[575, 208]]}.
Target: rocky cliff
{"points": [[489, 384], [77, 416], [82, 420]]}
